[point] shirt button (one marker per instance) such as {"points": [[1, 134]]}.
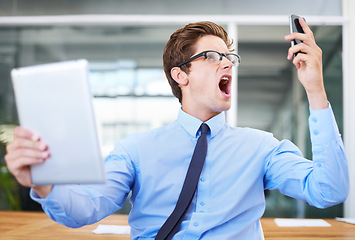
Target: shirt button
{"points": [[203, 179], [319, 165], [196, 224], [202, 203], [315, 132], [314, 119]]}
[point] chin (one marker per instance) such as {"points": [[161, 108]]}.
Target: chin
{"points": [[224, 107]]}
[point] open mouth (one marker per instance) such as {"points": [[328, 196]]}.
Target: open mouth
{"points": [[224, 84]]}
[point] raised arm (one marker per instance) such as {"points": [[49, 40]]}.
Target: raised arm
{"points": [[309, 66]]}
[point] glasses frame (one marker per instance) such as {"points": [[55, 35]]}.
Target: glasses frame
{"points": [[221, 55]]}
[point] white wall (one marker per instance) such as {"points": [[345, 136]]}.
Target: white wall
{"points": [[349, 99]]}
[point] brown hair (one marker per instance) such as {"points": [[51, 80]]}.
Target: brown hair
{"points": [[181, 46]]}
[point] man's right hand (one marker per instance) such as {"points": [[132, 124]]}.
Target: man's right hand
{"points": [[26, 150]]}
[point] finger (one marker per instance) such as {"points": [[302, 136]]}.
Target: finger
{"points": [[21, 132], [297, 61], [305, 27], [303, 59], [24, 158], [313, 51], [29, 153], [305, 38], [308, 36], [21, 167], [23, 162], [26, 143], [299, 48]]}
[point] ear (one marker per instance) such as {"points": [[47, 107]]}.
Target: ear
{"points": [[179, 76]]}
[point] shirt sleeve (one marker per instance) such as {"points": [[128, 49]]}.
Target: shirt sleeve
{"points": [[79, 205], [322, 182]]}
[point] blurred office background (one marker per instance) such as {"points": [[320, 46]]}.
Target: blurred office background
{"points": [[124, 42]]}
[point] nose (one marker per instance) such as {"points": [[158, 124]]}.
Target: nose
{"points": [[226, 63]]}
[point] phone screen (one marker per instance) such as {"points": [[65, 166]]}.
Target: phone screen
{"points": [[295, 26]]}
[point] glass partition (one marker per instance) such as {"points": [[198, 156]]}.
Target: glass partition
{"points": [[271, 98]]}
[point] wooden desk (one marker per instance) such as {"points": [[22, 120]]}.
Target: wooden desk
{"points": [[38, 226], [338, 231]]}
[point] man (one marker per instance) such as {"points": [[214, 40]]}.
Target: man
{"points": [[240, 162]]}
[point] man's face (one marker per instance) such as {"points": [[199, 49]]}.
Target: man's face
{"points": [[208, 91]]}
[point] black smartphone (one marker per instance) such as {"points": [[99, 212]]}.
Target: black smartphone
{"points": [[295, 26]]}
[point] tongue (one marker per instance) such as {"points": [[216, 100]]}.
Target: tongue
{"points": [[223, 85]]}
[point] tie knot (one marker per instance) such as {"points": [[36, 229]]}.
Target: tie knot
{"points": [[204, 128]]}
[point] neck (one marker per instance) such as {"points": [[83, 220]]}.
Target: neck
{"points": [[200, 114]]}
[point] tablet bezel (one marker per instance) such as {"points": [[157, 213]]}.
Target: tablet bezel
{"points": [[54, 101]]}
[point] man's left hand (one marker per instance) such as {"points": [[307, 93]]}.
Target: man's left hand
{"points": [[308, 62]]}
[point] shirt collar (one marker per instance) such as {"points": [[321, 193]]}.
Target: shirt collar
{"points": [[192, 124]]}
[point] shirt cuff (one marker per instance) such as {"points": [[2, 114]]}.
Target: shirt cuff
{"points": [[322, 125], [49, 201]]}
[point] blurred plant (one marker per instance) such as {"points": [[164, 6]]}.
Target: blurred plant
{"points": [[9, 194]]}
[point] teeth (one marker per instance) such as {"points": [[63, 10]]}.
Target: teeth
{"points": [[223, 84]]}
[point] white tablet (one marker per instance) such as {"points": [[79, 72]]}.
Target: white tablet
{"points": [[54, 101]]}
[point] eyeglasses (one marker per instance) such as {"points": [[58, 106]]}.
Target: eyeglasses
{"points": [[215, 57]]}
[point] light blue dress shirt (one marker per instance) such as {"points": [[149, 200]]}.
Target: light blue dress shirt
{"points": [[240, 164]]}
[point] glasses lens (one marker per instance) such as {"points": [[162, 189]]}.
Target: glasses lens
{"points": [[234, 59], [212, 57]]}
